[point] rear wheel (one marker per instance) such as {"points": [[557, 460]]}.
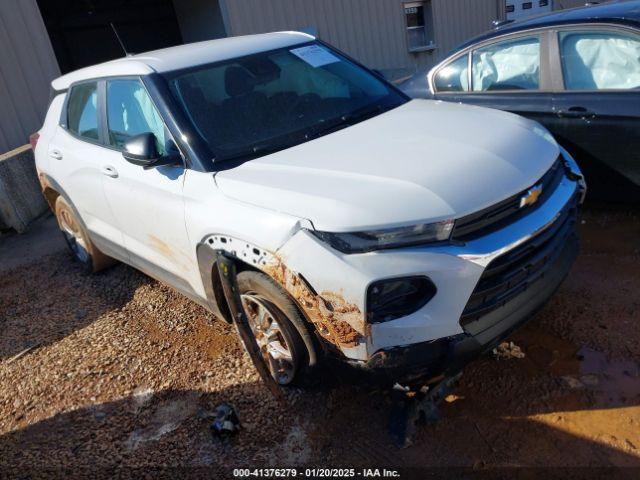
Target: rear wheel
{"points": [[82, 249], [271, 315]]}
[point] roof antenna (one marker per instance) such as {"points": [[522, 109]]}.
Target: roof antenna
{"points": [[127, 54]]}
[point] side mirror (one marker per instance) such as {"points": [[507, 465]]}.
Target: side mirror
{"points": [[141, 150]]}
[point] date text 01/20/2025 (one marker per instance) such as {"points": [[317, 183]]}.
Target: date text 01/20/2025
{"points": [[315, 473]]}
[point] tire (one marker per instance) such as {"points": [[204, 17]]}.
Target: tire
{"points": [[79, 243], [259, 290]]}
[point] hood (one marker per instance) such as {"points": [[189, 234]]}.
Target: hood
{"points": [[421, 162]]}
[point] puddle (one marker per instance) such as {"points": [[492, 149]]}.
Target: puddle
{"points": [[612, 382], [615, 381]]}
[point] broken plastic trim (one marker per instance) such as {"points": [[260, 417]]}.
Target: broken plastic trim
{"points": [[394, 298], [227, 272]]}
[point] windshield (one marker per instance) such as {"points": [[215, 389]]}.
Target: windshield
{"points": [[254, 105]]}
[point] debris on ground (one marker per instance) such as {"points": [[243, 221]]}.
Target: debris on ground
{"points": [[508, 350], [226, 421], [572, 382]]}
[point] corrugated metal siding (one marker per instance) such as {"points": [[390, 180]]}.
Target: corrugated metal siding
{"points": [[460, 20], [373, 31], [27, 66], [370, 30], [561, 4]]}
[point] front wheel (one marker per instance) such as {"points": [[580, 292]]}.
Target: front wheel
{"points": [[269, 312]]}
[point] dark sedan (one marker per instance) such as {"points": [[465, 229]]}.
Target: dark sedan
{"points": [[576, 71]]}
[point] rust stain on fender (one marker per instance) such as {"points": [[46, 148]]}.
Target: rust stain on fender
{"points": [[337, 320]]}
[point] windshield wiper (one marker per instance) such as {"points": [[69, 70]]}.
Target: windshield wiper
{"points": [[344, 121], [319, 130], [254, 151]]}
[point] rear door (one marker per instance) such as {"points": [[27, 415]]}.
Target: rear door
{"points": [[76, 161], [508, 73], [147, 203], [597, 106]]}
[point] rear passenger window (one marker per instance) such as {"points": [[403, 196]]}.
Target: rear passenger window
{"points": [[82, 111], [600, 60], [509, 65]]}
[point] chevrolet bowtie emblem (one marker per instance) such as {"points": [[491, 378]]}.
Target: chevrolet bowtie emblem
{"points": [[531, 196]]}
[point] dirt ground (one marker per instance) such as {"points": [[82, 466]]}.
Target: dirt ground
{"points": [[117, 370]]}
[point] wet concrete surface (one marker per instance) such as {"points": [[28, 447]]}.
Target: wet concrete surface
{"points": [[122, 371]]}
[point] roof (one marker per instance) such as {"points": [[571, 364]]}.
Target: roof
{"points": [[616, 11], [184, 56]]}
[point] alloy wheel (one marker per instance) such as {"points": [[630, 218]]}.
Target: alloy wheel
{"points": [[264, 319]]}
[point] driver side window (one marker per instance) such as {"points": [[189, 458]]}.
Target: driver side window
{"points": [[130, 112], [508, 65]]}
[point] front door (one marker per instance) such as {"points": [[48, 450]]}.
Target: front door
{"points": [[147, 203], [509, 74]]}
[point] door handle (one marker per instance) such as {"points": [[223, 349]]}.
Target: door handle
{"points": [[576, 112], [109, 171], [57, 154]]}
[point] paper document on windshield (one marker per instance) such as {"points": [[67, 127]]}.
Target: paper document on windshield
{"points": [[315, 55]]}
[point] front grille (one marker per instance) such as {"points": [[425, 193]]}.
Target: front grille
{"points": [[513, 273], [501, 214]]}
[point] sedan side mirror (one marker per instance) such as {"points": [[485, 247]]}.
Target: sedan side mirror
{"points": [[142, 150]]}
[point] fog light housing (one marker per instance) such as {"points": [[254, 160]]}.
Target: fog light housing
{"points": [[398, 297]]}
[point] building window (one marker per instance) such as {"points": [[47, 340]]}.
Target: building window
{"points": [[519, 9], [419, 25]]}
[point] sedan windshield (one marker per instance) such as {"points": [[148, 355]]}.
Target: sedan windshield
{"points": [[250, 106]]}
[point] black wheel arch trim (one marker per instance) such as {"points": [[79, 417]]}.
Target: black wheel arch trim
{"points": [[222, 291]]}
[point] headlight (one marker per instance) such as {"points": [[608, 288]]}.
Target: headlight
{"points": [[359, 242]]}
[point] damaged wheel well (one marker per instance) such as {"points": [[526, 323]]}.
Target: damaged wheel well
{"points": [[213, 279]]}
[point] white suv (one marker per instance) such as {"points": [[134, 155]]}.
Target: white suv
{"points": [[403, 237]]}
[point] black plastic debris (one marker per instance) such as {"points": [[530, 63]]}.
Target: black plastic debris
{"points": [[410, 409], [225, 421]]}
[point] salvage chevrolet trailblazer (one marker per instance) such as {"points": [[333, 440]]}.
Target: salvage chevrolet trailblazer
{"points": [[275, 176]]}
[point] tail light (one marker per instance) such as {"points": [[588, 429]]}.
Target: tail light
{"points": [[33, 140]]}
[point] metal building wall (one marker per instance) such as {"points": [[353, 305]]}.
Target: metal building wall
{"points": [[562, 4], [27, 66], [459, 20], [373, 31]]}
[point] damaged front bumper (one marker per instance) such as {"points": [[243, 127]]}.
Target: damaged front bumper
{"points": [[457, 323], [484, 288], [447, 356]]}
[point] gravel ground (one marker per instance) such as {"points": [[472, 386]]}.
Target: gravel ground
{"points": [[117, 370]]}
